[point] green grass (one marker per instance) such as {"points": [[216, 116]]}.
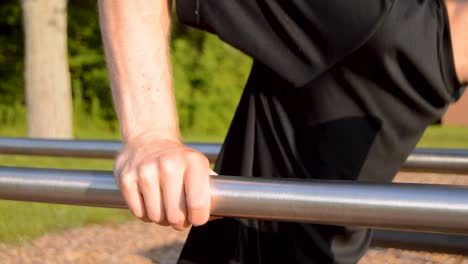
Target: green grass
{"points": [[23, 221], [445, 137]]}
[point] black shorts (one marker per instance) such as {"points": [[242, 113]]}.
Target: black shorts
{"points": [[339, 90]]}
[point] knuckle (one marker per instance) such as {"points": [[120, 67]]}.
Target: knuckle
{"points": [[144, 181], [180, 228], [197, 205], [198, 221], [146, 174], [120, 160], [199, 213], [147, 168], [198, 158], [120, 172], [168, 163], [138, 214], [155, 217], [176, 219], [126, 182], [193, 156]]}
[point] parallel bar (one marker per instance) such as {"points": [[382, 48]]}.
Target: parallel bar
{"points": [[63, 148], [421, 160], [429, 242], [438, 161], [106, 149], [390, 206]]}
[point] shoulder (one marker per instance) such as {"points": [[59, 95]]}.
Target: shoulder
{"points": [[298, 39]]}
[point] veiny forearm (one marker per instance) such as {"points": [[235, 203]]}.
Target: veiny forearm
{"points": [[135, 35]]}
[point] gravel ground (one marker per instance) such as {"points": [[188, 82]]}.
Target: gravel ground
{"points": [[135, 242], [142, 243]]}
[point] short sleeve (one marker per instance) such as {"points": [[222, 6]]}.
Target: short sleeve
{"points": [[298, 39]]}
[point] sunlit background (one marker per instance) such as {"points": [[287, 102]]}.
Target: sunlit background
{"points": [[208, 77]]}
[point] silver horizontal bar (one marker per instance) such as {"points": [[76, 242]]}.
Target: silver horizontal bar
{"points": [[421, 160], [417, 241], [414, 207], [106, 149], [438, 161]]}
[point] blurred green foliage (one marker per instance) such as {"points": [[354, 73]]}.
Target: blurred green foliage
{"points": [[208, 74], [11, 62]]}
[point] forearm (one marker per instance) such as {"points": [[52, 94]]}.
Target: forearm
{"points": [[135, 35]]}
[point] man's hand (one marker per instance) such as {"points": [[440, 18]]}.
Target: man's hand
{"points": [[164, 181]]}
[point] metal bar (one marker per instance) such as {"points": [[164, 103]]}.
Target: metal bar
{"points": [[63, 148], [390, 206], [429, 242], [106, 149], [438, 161], [421, 160]]}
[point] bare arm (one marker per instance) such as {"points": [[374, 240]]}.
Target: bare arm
{"points": [[161, 179], [135, 35]]}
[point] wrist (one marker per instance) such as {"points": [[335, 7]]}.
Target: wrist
{"points": [[139, 122], [150, 134]]}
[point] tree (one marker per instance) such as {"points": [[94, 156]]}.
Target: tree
{"points": [[47, 77]]}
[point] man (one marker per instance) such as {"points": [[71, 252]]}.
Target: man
{"points": [[338, 90]]}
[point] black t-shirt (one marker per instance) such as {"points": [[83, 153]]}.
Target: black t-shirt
{"points": [[339, 90], [298, 39]]}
